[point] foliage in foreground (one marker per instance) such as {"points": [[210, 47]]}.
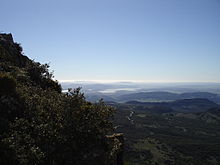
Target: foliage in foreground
{"points": [[40, 125]]}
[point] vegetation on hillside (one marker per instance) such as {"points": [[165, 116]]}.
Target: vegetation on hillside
{"points": [[168, 138], [39, 125]]}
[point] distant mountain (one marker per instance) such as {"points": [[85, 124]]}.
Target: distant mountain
{"points": [[97, 97], [142, 96], [206, 95], [167, 96], [185, 105], [193, 105], [136, 87], [198, 95]]}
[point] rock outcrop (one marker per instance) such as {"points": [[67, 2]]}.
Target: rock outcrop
{"points": [[11, 52]]}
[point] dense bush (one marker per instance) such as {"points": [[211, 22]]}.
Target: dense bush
{"points": [[39, 125], [7, 84]]}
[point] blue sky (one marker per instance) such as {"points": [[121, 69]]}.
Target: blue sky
{"points": [[137, 40]]}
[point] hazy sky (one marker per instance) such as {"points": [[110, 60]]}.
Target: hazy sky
{"points": [[139, 40]]}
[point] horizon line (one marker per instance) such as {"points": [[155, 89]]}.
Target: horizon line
{"points": [[130, 81]]}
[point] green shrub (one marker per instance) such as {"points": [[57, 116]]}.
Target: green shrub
{"points": [[7, 84]]}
